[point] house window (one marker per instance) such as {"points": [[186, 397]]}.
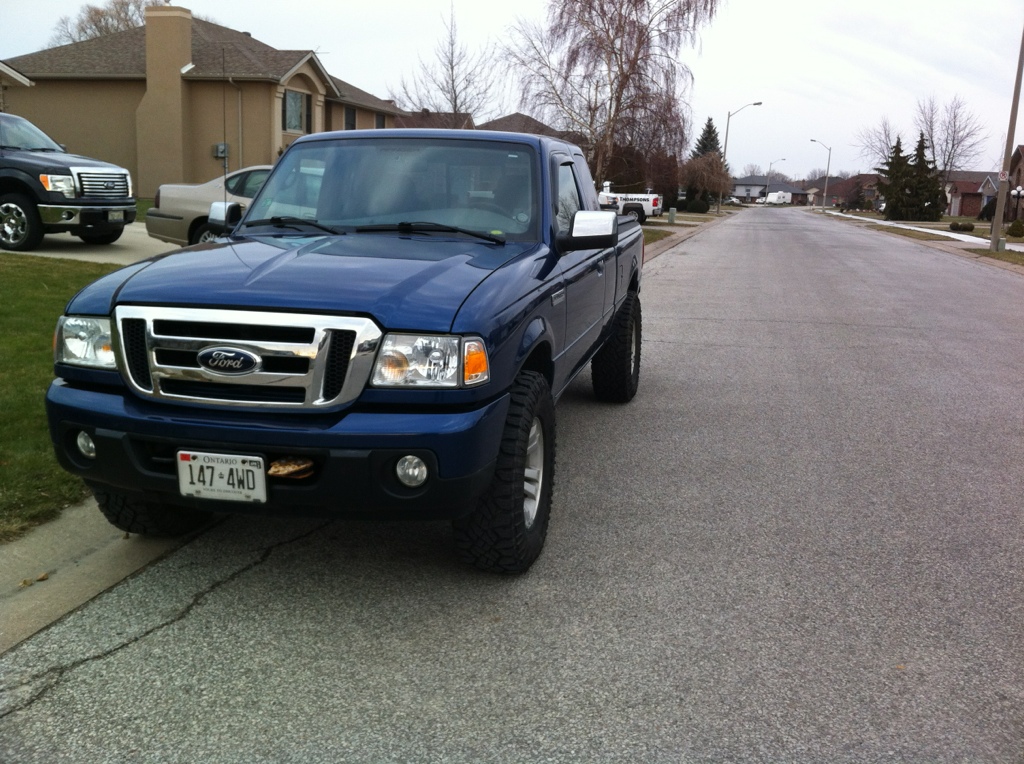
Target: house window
{"points": [[379, 121], [297, 112], [350, 118]]}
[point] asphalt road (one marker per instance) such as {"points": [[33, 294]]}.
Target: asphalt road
{"points": [[801, 542]]}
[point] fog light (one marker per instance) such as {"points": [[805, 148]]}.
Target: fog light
{"points": [[67, 214], [411, 471], [86, 445]]}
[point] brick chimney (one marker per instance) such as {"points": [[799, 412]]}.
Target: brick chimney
{"points": [[162, 115]]}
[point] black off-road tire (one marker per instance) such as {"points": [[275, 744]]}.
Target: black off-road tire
{"points": [[147, 518], [615, 370], [506, 531], [109, 237], [21, 228]]}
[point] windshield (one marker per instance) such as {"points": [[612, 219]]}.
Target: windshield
{"points": [[18, 133], [487, 187]]}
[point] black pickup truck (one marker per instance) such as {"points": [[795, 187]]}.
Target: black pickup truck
{"points": [[44, 189]]}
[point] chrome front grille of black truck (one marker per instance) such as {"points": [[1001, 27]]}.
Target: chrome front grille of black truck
{"points": [[102, 183], [245, 358]]}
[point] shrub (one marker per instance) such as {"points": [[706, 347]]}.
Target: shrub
{"points": [[954, 226], [967, 226], [698, 206], [1016, 229]]}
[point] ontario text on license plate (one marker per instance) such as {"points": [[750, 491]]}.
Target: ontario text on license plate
{"points": [[223, 477]]}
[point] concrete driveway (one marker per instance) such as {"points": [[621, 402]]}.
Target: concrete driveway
{"points": [[134, 245]]}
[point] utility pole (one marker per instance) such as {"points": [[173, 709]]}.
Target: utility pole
{"points": [[1004, 176]]}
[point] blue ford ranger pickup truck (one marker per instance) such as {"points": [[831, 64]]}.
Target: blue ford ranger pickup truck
{"points": [[383, 335]]}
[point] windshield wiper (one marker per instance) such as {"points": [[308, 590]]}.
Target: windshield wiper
{"points": [[288, 221], [427, 227]]}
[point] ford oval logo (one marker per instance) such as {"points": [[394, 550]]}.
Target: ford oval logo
{"points": [[230, 361]]}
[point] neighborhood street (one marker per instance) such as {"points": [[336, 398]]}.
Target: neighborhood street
{"points": [[802, 541]]}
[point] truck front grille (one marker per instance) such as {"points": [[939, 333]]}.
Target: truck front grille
{"points": [[293, 361], [98, 183]]}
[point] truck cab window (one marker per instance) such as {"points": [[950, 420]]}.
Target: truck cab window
{"points": [[568, 199]]}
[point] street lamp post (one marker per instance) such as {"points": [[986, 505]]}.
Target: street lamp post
{"points": [[828, 166], [768, 177], [725, 148], [1016, 194]]}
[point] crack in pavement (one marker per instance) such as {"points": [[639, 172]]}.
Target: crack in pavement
{"points": [[52, 677]]}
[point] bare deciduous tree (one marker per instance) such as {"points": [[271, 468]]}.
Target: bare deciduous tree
{"points": [[599, 66], [98, 20], [707, 173], [749, 170], [876, 142], [455, 83], [953, 134]]}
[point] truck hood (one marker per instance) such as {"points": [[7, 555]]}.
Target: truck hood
{"points": [[403, 282], [53, 162]]}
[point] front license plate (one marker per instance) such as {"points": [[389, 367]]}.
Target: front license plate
{"points": [[115, 216], [224, 477]]}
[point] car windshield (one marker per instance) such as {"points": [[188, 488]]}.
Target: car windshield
{"points": [[18, 133], [371, 185]]}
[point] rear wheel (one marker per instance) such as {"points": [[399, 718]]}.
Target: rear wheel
{"points": [[637, 213], [615, 370], [506, 531], [149, 518], [205, 233], [21, 228]]}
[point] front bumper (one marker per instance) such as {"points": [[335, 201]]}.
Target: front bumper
{"points": [[66, 216], [354, 455]]}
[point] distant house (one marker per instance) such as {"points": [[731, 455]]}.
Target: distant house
{"points": [[522, 123], [169, 99], [753, 187], [967, 192], [842, 190], [435, 119]]}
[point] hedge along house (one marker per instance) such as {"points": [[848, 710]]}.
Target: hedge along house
{"points": [[169, 99]]}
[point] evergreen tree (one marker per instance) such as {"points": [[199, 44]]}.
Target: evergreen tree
{"points": [[927, 200], [894, 185], [707, 144], [856, 200]]}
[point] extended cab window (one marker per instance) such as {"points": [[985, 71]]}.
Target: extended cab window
{"points": [[568, 198]]}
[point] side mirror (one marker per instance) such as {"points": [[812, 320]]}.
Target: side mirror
{"points": [[226, 214], [590, 230]]}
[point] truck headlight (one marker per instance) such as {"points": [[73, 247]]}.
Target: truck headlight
{"points": [[435, 361], [62, 184], [84, 341]]}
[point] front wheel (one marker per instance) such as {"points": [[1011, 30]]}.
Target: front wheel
{"points": [[145, 517], [21, 228], [505, 532], [615, 370], [108, 237]]}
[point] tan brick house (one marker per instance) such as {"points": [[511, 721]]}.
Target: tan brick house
{"points": [[164, 99]]}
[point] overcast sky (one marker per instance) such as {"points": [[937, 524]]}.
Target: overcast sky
{"points": [[823, 69]]}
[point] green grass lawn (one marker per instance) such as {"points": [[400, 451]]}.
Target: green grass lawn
{"points": [[33, 292]]}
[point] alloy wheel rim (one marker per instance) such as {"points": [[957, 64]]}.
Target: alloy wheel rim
{"points": [[13, 224], [533, 474]]}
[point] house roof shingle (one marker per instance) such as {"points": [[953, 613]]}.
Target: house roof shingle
{"points": [[218, 53]]}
